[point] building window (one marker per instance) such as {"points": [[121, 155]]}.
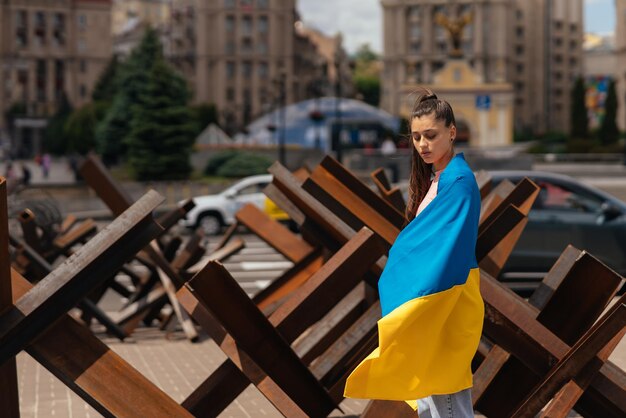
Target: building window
{"points": [[416, 47], [59, 80], [573, 45], [246, 69], [262, 24], [558, 92], [82, 46], [230, 23], [245, 4], [558, 58], [573, 62], [41, 82], [519, 31], [558, 75], [230, 69], [464, 9], [414, 12], [21, 28], [442, 47], [418, 72], [246, 27], [83, 66], [439, 9], [229, 4], [40, 28], [58, 29], [229, 47], [437, 65], [520, 68], [262, 47], [22, 80], [558, 42], [415, 31], [573, 27], [519, 86], [558, 25], [230, 94], [519, 50], [262, 4], [246, 46], [82, 21], [263, 70]]}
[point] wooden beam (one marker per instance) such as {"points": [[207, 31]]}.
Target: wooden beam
{"points": [[91, 265], [93, 371], [575, 360], [9, 398], [291, 246]]}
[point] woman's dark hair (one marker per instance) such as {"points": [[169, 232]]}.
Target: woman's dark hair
{"points": [[426, 103]]}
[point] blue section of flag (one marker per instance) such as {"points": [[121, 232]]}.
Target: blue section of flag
{"points": [[437, 249]]}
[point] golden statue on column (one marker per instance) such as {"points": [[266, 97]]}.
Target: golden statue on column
{"points": [[455, 30]]}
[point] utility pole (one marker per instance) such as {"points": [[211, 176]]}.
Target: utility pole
{"points": [[282, 100], [338, 103]]}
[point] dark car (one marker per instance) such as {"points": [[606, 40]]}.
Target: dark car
{"points": [[566, 211]]}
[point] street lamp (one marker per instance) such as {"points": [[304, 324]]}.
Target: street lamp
{"points": [[337, 137], [280, 83]]}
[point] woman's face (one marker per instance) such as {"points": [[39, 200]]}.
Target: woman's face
{"points": [[433, 140]]}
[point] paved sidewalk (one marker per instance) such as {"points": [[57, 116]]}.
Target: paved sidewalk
{"points": [[173, 364]]}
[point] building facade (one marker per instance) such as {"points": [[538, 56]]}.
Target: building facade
{"points": [[536, 45], [125, 12], [245, 56], [48, 49], [620, 68]]}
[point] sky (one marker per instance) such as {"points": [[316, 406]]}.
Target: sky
{"points": [[360, 21]]}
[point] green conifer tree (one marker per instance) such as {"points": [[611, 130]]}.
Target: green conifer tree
{"points": [[55, 141], [112, 131], [579, 118], [107, 85], [162, 127]]}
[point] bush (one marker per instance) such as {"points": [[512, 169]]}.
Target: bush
{"points": [[217, 160], [580, 145], [244, 164]]}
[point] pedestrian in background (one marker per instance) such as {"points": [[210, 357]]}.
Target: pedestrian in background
{"points": [[429, 290], [26, 174], [45, 165]]}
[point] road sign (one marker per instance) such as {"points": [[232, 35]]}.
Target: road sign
{"points": [[483, 102]]}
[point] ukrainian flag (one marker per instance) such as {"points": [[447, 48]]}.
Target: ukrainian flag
{"points": [[430, 299]]}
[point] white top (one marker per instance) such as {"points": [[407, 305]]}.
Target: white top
{"points": [[432, 192]]}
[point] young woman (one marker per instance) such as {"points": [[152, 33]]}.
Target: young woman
{"points": [[429, 291]]}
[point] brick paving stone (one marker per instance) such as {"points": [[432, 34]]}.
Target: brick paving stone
{"points": [[172, 363]]}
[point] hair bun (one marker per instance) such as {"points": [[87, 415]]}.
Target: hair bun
{"points": [[431, 96]]}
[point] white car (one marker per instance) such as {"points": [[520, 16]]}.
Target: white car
{"points": [[212, 212]]}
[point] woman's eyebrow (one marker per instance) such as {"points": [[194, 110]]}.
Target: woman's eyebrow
{"points": [[425, 131]]}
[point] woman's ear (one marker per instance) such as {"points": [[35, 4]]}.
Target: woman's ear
{"points": [[452, 132]]}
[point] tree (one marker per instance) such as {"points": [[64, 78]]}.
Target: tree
{"points": [[112, 132], [579, 118], [54, 135], [107, 85], [80, 128], [609, 132], [204, 114], [162, 127], [366, 75]]}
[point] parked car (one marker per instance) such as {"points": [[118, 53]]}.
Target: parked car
{"points": [[212, 212], [566, 211]]}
